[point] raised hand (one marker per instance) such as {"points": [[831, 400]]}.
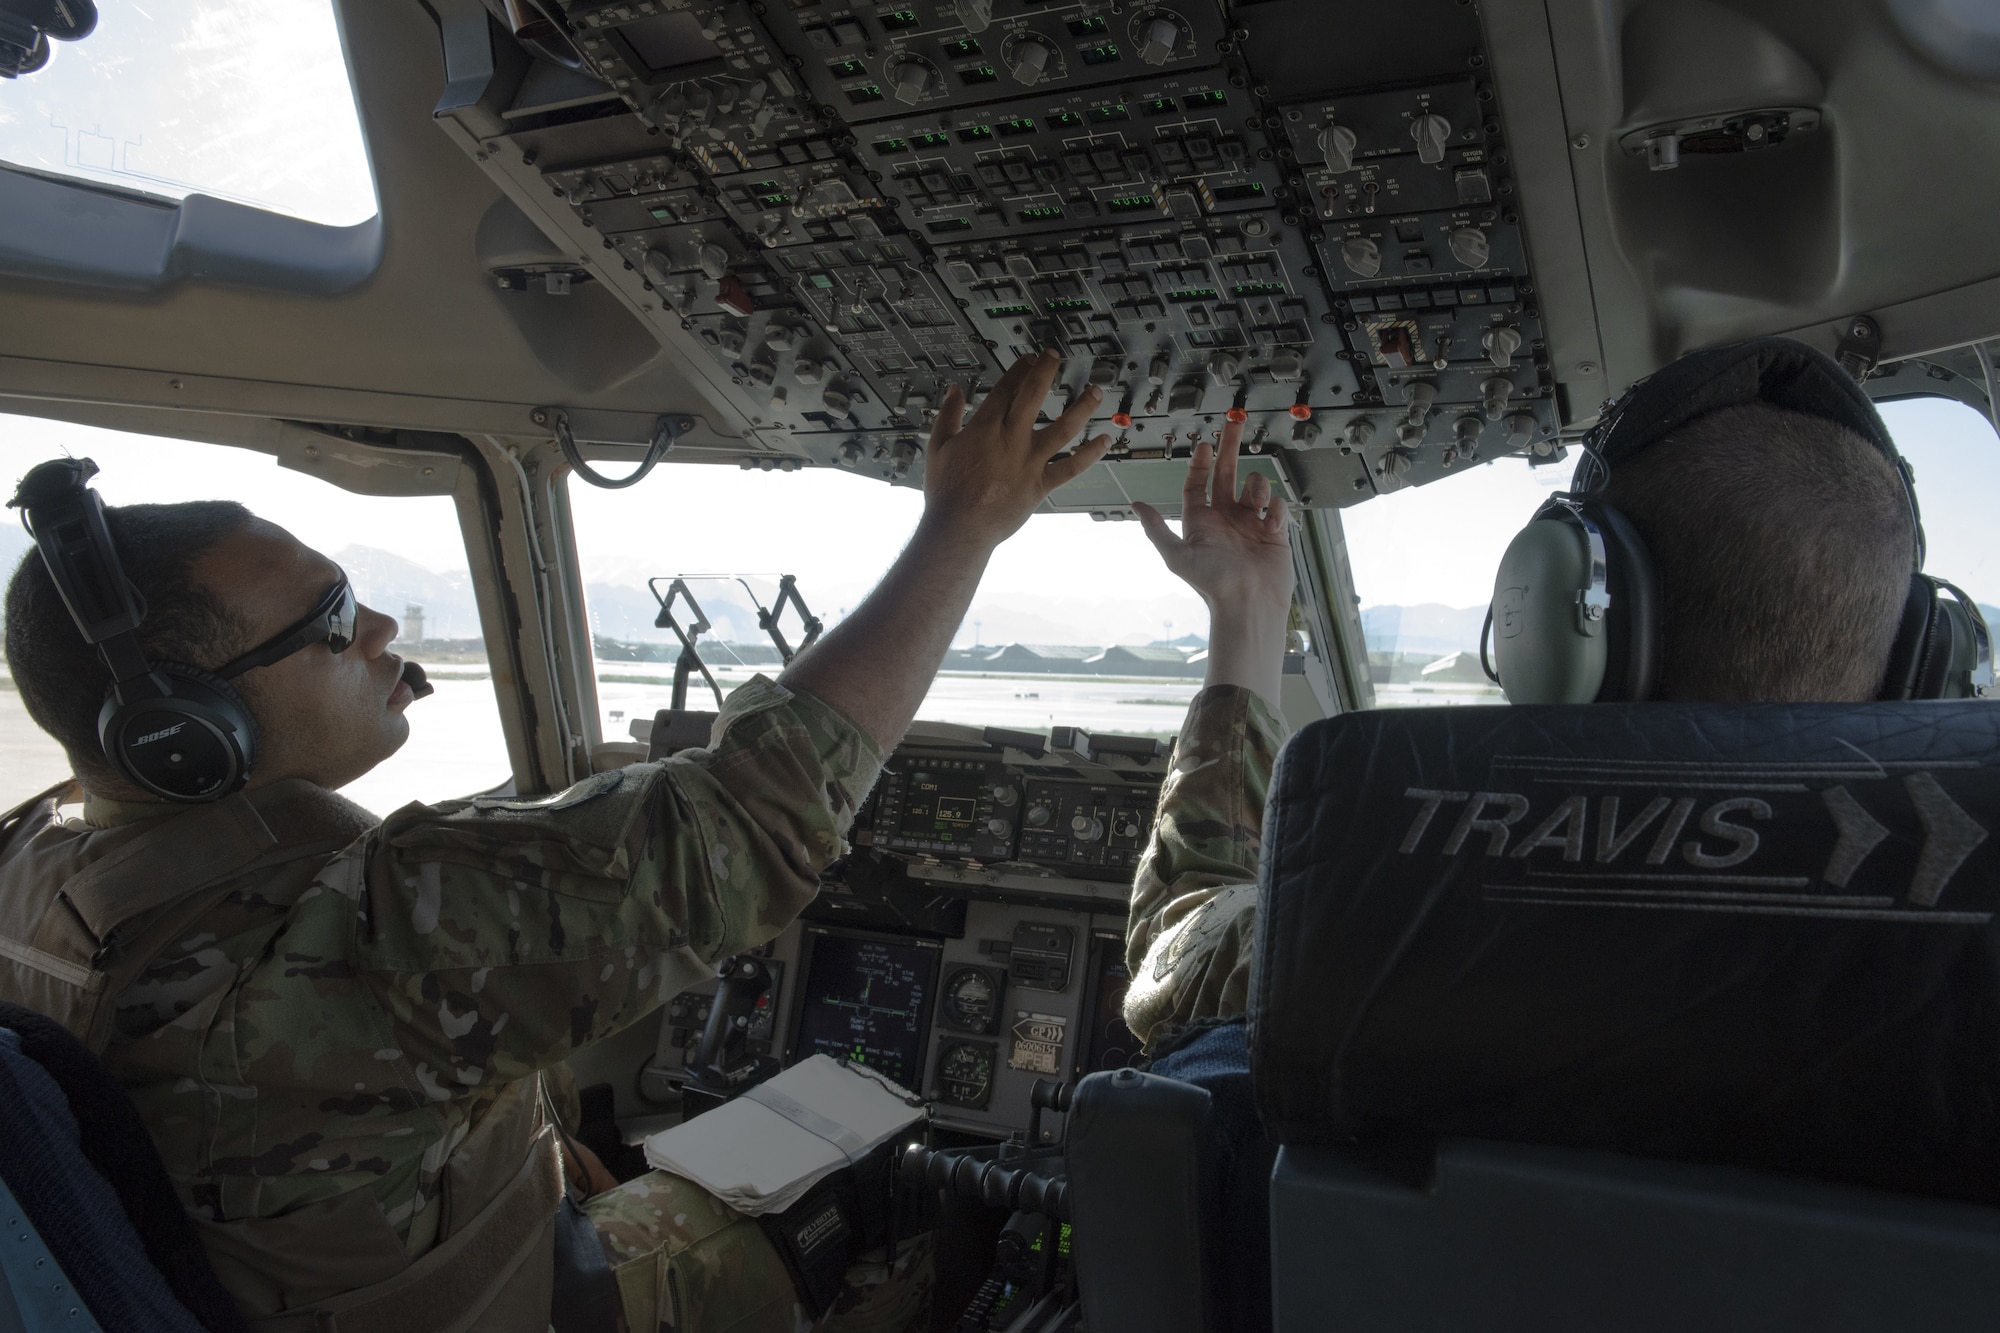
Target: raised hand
{"points": [[982, 480], [1236, 552]]}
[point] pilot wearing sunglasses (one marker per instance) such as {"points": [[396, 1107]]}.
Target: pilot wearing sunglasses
{"points": [[335, 1026]]}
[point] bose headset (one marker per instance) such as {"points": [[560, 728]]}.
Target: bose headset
{"points": [[179, 732], [1575, 616]]}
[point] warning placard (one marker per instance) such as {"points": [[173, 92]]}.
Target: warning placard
{"points": [[1038, 1043]]}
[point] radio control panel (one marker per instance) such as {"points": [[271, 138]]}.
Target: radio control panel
{"points": [[1068, 805]]}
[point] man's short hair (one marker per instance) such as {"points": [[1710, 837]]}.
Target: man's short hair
{"points": [[1784, 545], [61, 678]]}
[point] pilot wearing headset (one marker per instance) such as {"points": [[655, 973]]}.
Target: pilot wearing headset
{"points": [[333, 1025], [1740, 529]]}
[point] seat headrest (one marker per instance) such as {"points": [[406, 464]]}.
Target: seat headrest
{"points": [[1753, 935]]}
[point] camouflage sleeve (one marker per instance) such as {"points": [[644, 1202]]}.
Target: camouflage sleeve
{"points": [[495, 936], [1194, 903]]}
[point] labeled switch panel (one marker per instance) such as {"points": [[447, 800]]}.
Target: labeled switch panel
{"points": [[963, 809], [1092, 831], [1040, 958], [1299, 214], [871, 61]]}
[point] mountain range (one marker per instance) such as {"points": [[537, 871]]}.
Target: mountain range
{"points": [[1429, 627]]}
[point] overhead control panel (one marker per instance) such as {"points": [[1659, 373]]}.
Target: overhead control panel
{"points": [[1296, 213]]}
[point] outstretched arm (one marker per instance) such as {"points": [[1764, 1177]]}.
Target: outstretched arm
{"points": [[1192, 926], [981, 481], [1237, 553]]}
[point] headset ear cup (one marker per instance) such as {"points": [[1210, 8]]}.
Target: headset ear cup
{"points": [[1543, 650], [1632, 624], [198, 743]]}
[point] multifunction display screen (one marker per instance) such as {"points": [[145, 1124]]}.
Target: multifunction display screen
{"points": [[941, 807], [865, 1000]]}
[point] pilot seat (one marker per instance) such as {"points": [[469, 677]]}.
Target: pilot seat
{"points": [[1638, 1017], [95, 1236]]}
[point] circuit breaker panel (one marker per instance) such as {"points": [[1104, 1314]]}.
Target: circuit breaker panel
{"points": [[1297, 213]]}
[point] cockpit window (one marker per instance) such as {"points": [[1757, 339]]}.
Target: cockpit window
{"points": [[1076, 623], [247, 100], [404, 557], [1423, 559], [1955, 455], [1423, 562]]}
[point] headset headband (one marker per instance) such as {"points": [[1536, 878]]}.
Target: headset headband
{"points": [[1782, 372], [66, 519]]}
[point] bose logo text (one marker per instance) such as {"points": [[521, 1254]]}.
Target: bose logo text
{"points": [[152, 736]]}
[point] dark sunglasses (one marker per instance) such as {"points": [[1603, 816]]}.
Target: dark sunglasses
{"points": [[330, 623]]}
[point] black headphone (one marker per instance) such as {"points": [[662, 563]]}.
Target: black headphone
{"points": [[1575, 616], [179, 732]]}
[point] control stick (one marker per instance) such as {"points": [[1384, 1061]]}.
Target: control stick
{"points": [[723, 1065]]}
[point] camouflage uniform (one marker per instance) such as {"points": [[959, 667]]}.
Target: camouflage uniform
{"points": [[1193, 919], [325, 1051]]}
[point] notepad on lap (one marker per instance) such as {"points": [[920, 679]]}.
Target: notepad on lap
{"points": [[762, 1151]]}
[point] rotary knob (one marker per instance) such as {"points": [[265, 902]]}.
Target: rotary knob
{"points": [[1086, 828], [999, 828], [911, 80], [1039, 816], [1006, 795], [1501, 344], [1161, 37], [1431, 133], [1362, 256], [1337, 144], [1469, 246], [1128, 827], [713, 260], [1030, 61], [1521, 430]]}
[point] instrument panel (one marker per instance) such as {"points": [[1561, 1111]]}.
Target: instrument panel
{"points": [[973, 942], [1075, 814], [838, 209]]}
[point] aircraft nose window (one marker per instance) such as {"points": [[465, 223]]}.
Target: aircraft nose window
{"points": [[404, 557], [246, 100], [1424, 558], [1423, 563], [1076, 623], [1955, 454]]}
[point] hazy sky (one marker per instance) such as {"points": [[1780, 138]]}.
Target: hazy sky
{"points": [[1440, 543]]}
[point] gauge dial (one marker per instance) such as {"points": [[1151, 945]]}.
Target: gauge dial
{"points": [[965, 1073], [971, 1000]]}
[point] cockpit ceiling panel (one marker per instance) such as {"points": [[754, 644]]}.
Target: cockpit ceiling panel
{"points": [[1396, 238]]}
